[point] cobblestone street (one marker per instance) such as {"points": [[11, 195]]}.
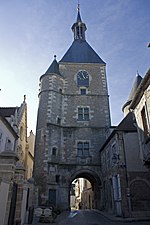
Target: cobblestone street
{"points": [[92, 217]]}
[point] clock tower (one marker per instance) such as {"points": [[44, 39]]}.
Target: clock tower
{"points": [[72, 119]]}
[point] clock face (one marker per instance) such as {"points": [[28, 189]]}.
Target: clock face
{"points": [[83, 78]]}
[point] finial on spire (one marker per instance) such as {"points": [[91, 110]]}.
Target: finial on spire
{"points": [[137, 73], [55, 57], [24, 98], [78, 7]]}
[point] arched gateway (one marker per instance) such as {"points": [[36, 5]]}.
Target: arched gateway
{"points": [[96, 182], [73, 116]]}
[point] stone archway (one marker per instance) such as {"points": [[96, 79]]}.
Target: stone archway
{"points": [[96, 183]]}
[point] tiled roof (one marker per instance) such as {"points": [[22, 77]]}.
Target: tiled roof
{"points": [[54, 68], [7, 124], [126, 125], [7, 111], [140, 91], [135, 87], [133, 90]]}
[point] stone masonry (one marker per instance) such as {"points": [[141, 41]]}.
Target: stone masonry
{"points": [[57, 162]]}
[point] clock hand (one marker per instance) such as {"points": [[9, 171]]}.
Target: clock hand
{"points": [[83, 75]]}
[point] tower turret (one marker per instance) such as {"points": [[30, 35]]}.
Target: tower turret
{"points": [[73, 115], [135, 86], [79, 27]]}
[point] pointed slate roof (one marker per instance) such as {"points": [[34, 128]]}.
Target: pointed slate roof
{"points": [[78, 15], [135, 86], [141, 89], [8, 125], [54, 67], [126, 125], [7, 111], [81, 52]]}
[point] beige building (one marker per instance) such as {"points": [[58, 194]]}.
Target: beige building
{"points": [[141, 107], [8, 159], [125, 156], [30, 154], [87, 195], [14, 189], [126, 181]]}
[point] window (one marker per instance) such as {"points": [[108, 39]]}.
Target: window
{"points": [[144, 120], [116, 187], [8, 145], [58, 120], [83, 114], [82, 91], [54, 151], [57, 178], [83, 148], [60, 90]]}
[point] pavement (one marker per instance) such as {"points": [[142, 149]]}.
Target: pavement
{"points": [[111, 217], [121, 219]]}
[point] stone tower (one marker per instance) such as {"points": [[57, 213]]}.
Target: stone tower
{"points": [[73, 116]]}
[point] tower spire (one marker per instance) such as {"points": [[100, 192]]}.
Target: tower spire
{"points": [[78, 8], [78, 15], [79, 27]]}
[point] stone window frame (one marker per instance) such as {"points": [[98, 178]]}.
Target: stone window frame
{"points": [[82, 89], [58, 120], [83, 116], [54, 150], [82, 148]]}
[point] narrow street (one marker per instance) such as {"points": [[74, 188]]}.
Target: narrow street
{"points": [[91, 217]]}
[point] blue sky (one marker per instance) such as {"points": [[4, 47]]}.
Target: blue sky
{"points": [[33, 31]]}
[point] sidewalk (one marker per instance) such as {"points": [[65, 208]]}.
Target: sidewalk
{"points": [[120, 219]]}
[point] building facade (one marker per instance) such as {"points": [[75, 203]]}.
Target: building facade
{"points": [[15, 191], [30, 154], [8, 159], [126, 180], [73, 116], [141, 107]]}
